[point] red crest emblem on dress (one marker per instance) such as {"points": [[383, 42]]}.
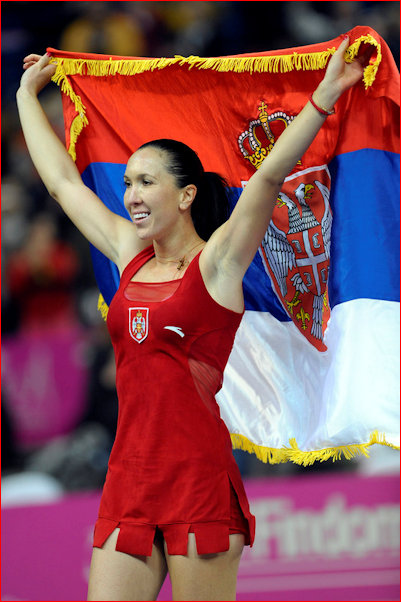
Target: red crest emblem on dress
{"points": [[139, 323]]}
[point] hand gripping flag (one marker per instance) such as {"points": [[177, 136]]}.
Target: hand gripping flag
{"points": [[314, 369]]}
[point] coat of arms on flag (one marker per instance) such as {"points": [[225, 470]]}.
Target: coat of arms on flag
{"points": [[314, 369], [296, 251], [296, 248]]}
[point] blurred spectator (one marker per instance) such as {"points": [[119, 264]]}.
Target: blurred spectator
{"points": [[14, 223], [102, 28], [78, 460], [11, 456], [312, 22], [29, 488], [40, 278], [193, 25], [102, 395]]}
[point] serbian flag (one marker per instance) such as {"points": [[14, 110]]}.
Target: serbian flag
{"points": [[314, 369]]}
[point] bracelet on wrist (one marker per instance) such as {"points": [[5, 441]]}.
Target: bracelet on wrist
{"points": [[322, 110]]}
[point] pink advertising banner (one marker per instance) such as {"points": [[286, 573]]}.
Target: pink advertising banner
{"points": [[323, 538], [317, 538], [44, 383]]}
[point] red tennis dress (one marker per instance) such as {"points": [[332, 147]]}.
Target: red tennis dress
{"points": [[171, 467]]}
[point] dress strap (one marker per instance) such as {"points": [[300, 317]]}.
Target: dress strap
{"points": [[135, 264]]}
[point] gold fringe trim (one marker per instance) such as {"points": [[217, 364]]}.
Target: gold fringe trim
{"points": [[80, 121], [306, 458], [77, 125], [102, 307], [103, 67], [311, 61], [369, 73], [262, 64]]}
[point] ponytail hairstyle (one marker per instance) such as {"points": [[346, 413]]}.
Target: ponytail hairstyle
{"points": [[210, 207]]}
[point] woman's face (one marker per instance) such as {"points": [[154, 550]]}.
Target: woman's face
{"points": [[152, 197]]}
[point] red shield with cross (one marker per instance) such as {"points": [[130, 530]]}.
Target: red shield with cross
{"points": [[296, 251], [139, 323]]}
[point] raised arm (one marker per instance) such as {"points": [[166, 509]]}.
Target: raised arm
{"points": [[113, 235], [232, 247]]}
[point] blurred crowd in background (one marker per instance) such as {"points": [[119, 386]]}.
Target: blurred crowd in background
{"points": [[48, 287]]}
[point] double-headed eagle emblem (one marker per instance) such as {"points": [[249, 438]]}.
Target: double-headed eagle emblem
{"points": [[296, 247], [301, 255]]}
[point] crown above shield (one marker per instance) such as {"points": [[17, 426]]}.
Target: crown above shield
{"points": [[257, 142]]}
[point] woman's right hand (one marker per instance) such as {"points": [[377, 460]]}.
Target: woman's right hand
{"points": [[37, 74]]}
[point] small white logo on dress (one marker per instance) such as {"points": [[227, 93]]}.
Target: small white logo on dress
{"points": [[139, 323], [176, 329]]}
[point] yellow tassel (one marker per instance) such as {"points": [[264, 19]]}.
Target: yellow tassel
{"points": [[261, 64], [369, 73], [311, 61], [77, 125], [80, 121], [307, 458], [102, 307], [265, 454]]}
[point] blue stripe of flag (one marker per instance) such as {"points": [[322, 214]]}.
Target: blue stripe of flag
{"points": [[365, 232], [365, 199]]}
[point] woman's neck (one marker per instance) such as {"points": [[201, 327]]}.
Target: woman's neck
{"points": [[180, 256], [179, 249]]}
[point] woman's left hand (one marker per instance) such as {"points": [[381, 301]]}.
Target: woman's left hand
{"points": [[340, 75]]}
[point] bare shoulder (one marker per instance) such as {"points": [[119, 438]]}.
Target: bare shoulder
{"points": [[222, 279], [130, 245], [113, 235]]}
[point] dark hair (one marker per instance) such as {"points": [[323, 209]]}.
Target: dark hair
{"points": [[210, 207]]}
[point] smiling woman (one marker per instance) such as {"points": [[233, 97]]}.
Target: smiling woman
{"points": [[167, 187], [170, 501], [209, 206]]}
